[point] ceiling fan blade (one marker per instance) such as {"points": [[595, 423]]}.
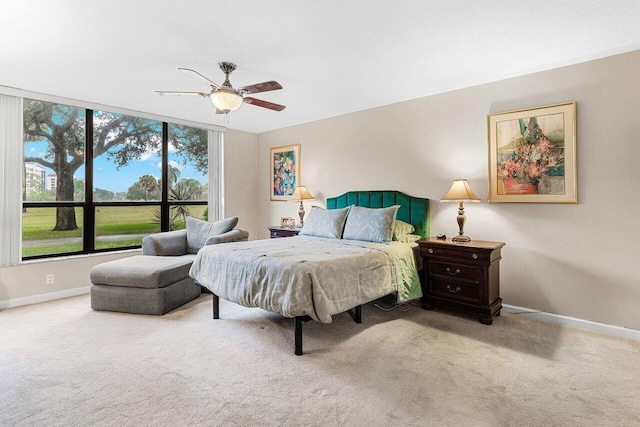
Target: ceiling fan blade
{"points": [[197, 75], [179, 93], [261, 87], [264, 104]]}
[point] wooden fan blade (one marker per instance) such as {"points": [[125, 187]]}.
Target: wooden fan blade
{"points": [[264, 104], [261, 87], [175, 92], [197, 75]]}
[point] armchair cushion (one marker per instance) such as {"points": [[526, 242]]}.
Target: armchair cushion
{"points": [[198, 231], [235, 235], [170, 243]]}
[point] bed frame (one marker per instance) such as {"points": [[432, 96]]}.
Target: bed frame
{"points": [[413, 210]]}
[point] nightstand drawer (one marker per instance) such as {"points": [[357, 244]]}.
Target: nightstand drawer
{"points": [[455, 271], [461, 254], [455, 290]]}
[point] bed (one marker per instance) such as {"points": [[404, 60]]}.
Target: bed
{"points": [[328, 268]]}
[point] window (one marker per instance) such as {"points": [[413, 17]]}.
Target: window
{"points": [[54, 136], [127, 154], [97, 180], [187, 174]]}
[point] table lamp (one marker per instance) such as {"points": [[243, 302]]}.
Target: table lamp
{"points": [[301, 193], [460, 192]]}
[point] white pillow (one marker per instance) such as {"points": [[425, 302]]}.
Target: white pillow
{"points": [[198, 231], [401, 229], [325, 222], [371, 225]]}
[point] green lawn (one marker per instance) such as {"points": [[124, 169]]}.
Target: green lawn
{"points": [[38, 224]]}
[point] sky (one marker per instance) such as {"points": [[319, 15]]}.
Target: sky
{"points": [[107, 177]]}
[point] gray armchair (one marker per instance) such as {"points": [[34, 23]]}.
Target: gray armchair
{"points": [[158, 281]]}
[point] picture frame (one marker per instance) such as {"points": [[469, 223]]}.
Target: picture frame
{"points": [[532, 155], [286, 222], [285, 171]]}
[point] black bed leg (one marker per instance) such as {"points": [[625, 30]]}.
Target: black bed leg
{"points": [[297, 321], [356, 314], [216, 306]]}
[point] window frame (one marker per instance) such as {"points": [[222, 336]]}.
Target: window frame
{"points": [[89, 206]]}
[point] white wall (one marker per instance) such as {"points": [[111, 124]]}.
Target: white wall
{"points": [[26, 282], [575, 260], [241, 175]]}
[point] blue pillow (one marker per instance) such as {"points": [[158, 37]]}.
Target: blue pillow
{"points": [[325, 223], [371, 225]]}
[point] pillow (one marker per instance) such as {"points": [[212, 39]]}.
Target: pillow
{"points": [[198, 231], [409, 238], [401, 229], [325, 222], [371, 225]]}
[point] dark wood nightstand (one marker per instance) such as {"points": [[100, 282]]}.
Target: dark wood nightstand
{"points": [[283, 232], [462, 276]]}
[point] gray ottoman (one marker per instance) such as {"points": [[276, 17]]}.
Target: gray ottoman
{"points": [[143, 284]]}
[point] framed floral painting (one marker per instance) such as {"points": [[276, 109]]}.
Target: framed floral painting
{"points": [[285, 171], [532, 155]]}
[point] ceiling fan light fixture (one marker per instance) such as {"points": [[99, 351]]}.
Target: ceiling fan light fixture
{"points": [[226, 99]]}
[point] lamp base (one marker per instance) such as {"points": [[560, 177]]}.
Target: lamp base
{"points": [[461, 238], [301, 213]]}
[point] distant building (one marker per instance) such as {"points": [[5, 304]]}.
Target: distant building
{"points": [[52, 181], [34, 177]]}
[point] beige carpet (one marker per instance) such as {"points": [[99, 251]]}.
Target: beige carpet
{"points": [[63, 364]]}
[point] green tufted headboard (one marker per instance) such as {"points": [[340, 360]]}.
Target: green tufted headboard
{"points": [[413, 210]]}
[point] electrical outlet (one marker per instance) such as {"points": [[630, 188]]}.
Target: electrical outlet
{"points": [[49, 279]]}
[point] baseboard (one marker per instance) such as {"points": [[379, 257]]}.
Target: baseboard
{"points": [[17, 302], [572, 321]]}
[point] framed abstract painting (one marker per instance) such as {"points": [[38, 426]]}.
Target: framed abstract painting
{"points": [[285, 171], [532, 155]]}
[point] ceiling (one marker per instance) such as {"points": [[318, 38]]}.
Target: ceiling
{"points": [[332, 57]]}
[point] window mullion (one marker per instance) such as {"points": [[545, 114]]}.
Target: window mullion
{"points": [[89, 208], [164, 208]]}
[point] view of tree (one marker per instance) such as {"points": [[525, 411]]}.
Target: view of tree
{"points": [[41, 195], [174, 174], [78, 189], [191, 144], [190, 187], [121, 138], [103, 195], [185, 189], [63, 127], [146, 188]]}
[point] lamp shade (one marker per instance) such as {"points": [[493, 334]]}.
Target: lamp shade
{"points": [[460, 191], [301, 193], [226, 99]]}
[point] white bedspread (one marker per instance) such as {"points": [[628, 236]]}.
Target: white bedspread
{"points": [[303, 275]]}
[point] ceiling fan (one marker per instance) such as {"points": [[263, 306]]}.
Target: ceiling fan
{"points": [[224, 97]]}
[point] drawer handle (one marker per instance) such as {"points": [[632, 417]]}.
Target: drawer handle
{"points": [[453, 273], [453, 291], [430, 250], [474, 256]]}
